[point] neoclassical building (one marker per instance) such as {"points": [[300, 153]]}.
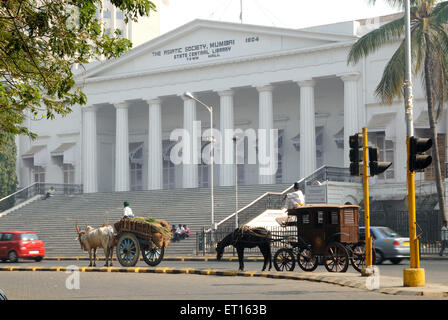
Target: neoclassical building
{"points": [[254, 77]]}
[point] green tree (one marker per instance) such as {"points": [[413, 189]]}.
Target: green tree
{"points": [[8, 178], [40, 41], [429, 42]]}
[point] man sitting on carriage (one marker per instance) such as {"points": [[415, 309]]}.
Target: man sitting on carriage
{"points": [[294, 199]]}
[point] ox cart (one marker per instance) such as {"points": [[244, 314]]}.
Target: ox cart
{"points": [[327, 233], [136, 236]]}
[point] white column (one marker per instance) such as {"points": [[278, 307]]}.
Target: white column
{"points": [[155, 161], [266, 123], [351, 124], [89, 151], [122, 148], [227, 166], [307, 128], [190, 151]]}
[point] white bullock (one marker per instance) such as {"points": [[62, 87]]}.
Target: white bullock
{"points": [[93, 238]]}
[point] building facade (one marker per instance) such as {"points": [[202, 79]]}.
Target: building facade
{"points": [[254, 77], [139, 32]]}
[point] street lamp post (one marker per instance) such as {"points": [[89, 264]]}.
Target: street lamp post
{"points": [[413, 276], [210, 110], [236, 183]]}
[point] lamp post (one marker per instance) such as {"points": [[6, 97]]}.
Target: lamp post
{"points": [[413, 276], [210, 110], [236, 183]]}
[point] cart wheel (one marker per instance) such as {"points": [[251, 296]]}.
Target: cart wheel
{"points": [[153, 256], [358, 256], [306, 260], [284, 260], [336, 258], [128, 250]]}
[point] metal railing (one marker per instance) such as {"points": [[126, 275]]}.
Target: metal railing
{"points": [[429, 224], [274, 200], [206, 241], [270, 200], [37, 188]]}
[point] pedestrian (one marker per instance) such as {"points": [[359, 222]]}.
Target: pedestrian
{"points": [[179, 232], [444, 237], [173, 232], [187, 231], [127, 211], [50, 193], [295, 199]]}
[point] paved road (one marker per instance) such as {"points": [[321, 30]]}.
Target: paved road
{"points": [[52, 285], [436, 271]]}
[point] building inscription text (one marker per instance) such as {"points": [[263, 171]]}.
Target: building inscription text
{"points": [[194, 52]]}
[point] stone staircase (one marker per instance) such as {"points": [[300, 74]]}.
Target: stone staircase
{"points": [[54, 219]]}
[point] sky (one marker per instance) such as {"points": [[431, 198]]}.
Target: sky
{"points": [[277, 13]]}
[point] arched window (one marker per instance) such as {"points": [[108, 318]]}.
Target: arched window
{"points": [[169, 169], [136, 165]]}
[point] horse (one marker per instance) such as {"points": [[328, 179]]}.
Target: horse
{"points": [[245, 237]]}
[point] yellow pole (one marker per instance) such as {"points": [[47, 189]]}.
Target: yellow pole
{"points": [[365, 177], [413, 276]]}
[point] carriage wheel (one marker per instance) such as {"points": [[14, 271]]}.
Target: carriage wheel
{"points": [[153, 256], [306, 260], [358, 256], [336, 258], [128, 250], [284, 260]]}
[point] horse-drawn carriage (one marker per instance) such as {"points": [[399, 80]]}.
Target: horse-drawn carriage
{"points": [[135, 236], [322, 232]]}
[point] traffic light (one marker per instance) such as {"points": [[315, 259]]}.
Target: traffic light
{"points": [[355, 143], [417, 160], [375, 166]]}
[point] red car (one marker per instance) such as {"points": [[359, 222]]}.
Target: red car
{"points": [[20, 244]]}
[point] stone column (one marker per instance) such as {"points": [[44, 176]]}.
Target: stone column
{"points": [[89, 151], [307, 128], [266, 124], [351, 124], [122, 148], [190, 148], [227, 166], [155, 161]]}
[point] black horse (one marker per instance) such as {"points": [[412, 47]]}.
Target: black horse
{"points": [[245, 237]]}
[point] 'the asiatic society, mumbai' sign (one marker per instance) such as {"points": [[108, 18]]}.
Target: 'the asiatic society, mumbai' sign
{"points": [[207, 49]]}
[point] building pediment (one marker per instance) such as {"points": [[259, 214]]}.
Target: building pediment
{"points": [[203, 42]]}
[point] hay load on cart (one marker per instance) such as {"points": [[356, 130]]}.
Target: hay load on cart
{"points": [[141, 234]]}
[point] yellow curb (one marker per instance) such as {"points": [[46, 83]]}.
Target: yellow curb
{"points": [[169, 270], [229, 273], [205, 272], [248, 273], [37, 268], [186, 270]]}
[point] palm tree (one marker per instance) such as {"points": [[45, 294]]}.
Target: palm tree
{"points": [[429, 42]]}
